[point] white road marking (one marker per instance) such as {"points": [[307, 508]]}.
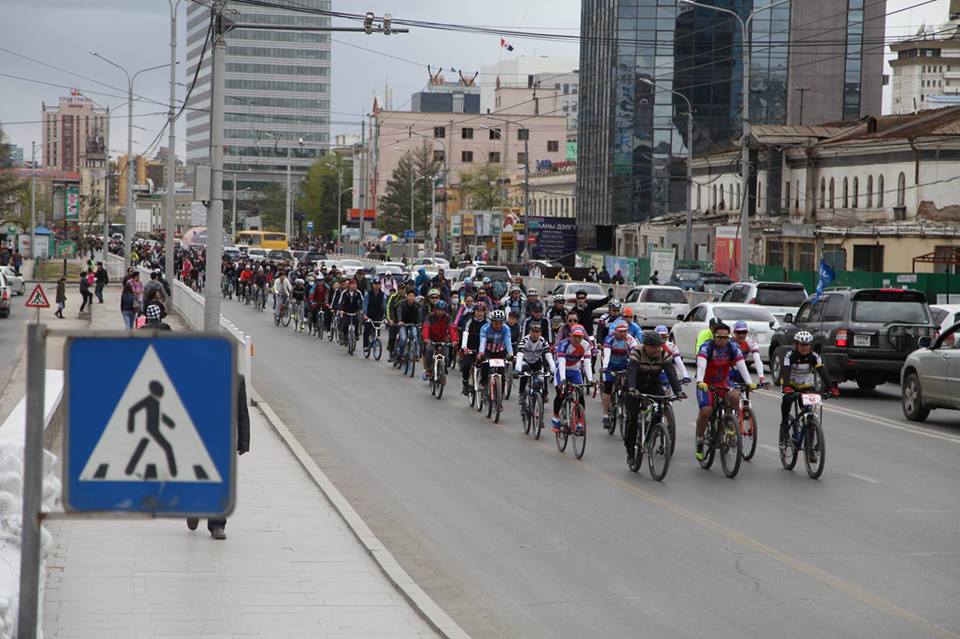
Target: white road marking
{"points": [[865, 478]]}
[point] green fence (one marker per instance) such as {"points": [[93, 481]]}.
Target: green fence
{"points": [[931, 284]]}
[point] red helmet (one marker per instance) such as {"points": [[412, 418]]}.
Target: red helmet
{"points": [[578, 331]]}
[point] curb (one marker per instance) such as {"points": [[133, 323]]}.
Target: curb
{"points": [[425, 606]]}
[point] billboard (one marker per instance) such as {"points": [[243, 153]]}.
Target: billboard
{"points": [[727, 251], [72, 208], [553, 237]]}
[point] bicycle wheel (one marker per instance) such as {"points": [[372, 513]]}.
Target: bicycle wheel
{"points": [[377, 347], [564, 434], [709, 449], [670, 422], [411, 358], [814, 448], [440, 379], [579, 438], [509, 387], [622, 420], [351, 340], [285, 315], [536, 415], [748, 427], [614, 416], [526, 412], [496, 402], [658, 451], [731, 447], [789, 451]]}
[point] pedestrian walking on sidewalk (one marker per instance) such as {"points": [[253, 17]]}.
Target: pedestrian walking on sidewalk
{"points": [[217, 527], [154, 315], [85, 290], [102, 280], [61, 296], [129, 306]]}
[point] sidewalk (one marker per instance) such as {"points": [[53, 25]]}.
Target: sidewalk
{"points": [[290, 566]]}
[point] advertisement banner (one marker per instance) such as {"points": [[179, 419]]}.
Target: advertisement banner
{"points": [[72, 203], [469, 226], [553, 237], [627, 266], [661, 262], [198, 214], [456, 225], [727, 250]]}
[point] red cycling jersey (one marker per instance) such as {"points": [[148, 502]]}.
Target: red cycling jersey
{"points": [[439, 329]]}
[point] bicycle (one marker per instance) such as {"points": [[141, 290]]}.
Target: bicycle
{"points": [[334, 333], [261, 299], [508, 381], [573, 421], [475, 389], [439, 379], [495, 383], [247, 297], [748, 425], [722, 433], [227, 288], [618, 405], [531, 403], [652, 436], [670, 418], [410, 349], [805, 430], [282, 315], [374, 346], [351, 332], [297, 313]]}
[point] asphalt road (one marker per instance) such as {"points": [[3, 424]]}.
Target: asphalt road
{"points": [[13, 336], [514, 539]]}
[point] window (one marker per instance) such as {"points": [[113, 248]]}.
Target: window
{"points": [[466, 157], [856, 192], [869, 191], [832, 192], [902, 190], [846, 193], [879, 191], [739, 201], [466, 133], [521, 158], [553, 146], [494, 157], [698, 197], [868, 257], [786, 195], [796, 198], [523, 134], [439, 156], [834, 308], [439, 132], [823, 193], [495, 134]]}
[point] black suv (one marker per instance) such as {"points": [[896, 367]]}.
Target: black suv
{"points": [[862, 335]]}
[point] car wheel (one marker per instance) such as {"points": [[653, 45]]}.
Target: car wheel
{"points": [[23, 288], [776, 363], [913, 408]]}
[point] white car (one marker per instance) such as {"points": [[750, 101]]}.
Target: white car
{"points": [[350, 267], [14, 281], [330, 265], [779, 298], [759, 320], [4, 296], [256, 254], [945, 315], [654, 305], [431, 264], [931, 375]]}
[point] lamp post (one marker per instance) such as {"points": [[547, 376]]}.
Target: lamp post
{"points": [[131, 215], [688, 250], [744, 270], [526, 182], [170, 222]]}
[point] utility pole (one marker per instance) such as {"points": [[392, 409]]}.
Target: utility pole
{"points": [[233, 224], [433, 216], [287, 220], [212, 293], [170, 222], [33, 202], [802, 91], [526, 198], [363, 183]]}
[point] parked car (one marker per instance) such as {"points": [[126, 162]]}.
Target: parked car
{"points": [[653, 305], [257, 254], [231, 253], [14, 281], [499, 276], [4, 296], [330, 264], [862, 335], [387, 268], [759, 320], [711, 282], [350, 267], [779, 298], [594, 292], [931, 375], [431, 263], [279, 255], [312, 257], [945, 315], [685, 278]]}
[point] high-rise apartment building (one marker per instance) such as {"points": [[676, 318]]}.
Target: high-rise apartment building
{"points": [[812, 61], [277, 92], [926, 71], [69, 129]]}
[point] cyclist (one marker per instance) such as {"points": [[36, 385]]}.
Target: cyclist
{"points": [[573, 355], [408, 312], [464, 311], [535, 317], [674, 352], [584, 310], [632, 327], [259, 283], [532, 353], [706, 334], [317, 298], [433, 296], [559, 308], [608, 319], [470, 341], [714, 360], [374, 309], [437, 328], [516, 330], [351, 305], [281, 293], [494, 340], [800, 365], [422, 280], [533, 297], [616, 353], [467, 289], [246, 276], [333, 303], [645, 366], [514, 302], [393, 303], [748, 346], [298, 293]]}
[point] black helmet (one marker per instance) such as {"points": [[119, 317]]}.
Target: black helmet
{"points": [[651, 338]]}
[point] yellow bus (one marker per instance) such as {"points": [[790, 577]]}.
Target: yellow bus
{"points": [[262, 239]]}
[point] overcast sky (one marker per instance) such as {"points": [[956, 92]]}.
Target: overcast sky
{"points": [[135, 33]]}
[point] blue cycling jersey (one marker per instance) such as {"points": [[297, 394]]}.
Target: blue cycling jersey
{"points": [[495, 340]]}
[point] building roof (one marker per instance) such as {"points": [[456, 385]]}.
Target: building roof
{"points": [[781, 134], [927, 123]]}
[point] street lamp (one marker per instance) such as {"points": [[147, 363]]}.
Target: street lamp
{"points": [[744, 270], [131, 216], [688, 251]]}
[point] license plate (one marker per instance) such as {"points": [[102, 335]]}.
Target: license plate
{"points": [[497, 363], [809, 399], [861, 340]]}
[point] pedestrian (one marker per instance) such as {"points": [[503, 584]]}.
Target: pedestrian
{"points": [[4, 256], [85, 290], [655, 278], [152, 287], [129, 306], [604, 275], [61, 296], [137, 287], [618, 278], [102, 280], [217, 527], [17, 261], [154, 315]]}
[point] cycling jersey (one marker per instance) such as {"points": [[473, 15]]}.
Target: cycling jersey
{"points": [[516, 305], [298, 293], [335, 298], [495, 340], [572, 361], [798, 370], [750, 350], [546, 330], [439, 329], [533, 353], [704, 336], [616, 353], [470, 339], [633, 329], [715, 362]]}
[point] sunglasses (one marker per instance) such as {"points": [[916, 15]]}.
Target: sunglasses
{"points": [[740, 332], [721, 337], [571, 321]]}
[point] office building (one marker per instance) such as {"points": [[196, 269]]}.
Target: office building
{"points": [[632, 143], [277, 92], [441, 96], [68, 129], [926, 71], [521, 72]]}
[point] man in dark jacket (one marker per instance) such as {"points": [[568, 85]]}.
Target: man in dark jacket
{"points": [[217, 527], [584, 309], [102, 280]]}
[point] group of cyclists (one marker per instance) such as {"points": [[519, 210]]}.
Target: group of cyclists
{"points": [[564, 342]]}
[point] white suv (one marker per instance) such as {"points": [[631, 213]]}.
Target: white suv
{"points": [[654, 305], [779, 298]]}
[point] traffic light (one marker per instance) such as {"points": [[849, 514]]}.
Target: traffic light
{"points": [[368, 22]]}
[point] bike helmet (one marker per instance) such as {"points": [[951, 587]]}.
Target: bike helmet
{"points": [[740, 326], [662, 330], [620, 326], [534, 307], [556, 322], [419, 299], [628, 312], [532, 292], [486, 280], [651, 338], [615, 304], [515, 289], [498, 316], [480, 306], [559, 299], [467, 281], [433, 293], [803, 337], [440, 306], [299, 281], [578, 331]]}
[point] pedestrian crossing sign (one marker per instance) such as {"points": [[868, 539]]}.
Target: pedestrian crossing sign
{"points": [[38, 299], [150, 425]]}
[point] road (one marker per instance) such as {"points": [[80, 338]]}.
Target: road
{"points": [[515, 539], [13, 336]]}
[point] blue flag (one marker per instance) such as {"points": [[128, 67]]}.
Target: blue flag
{"points": [[826, 276]]}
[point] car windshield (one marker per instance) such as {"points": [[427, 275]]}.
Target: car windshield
{"points": [[356, 263], [687, 276], [589, 289], [493, 274], [938, 315], [889, 312], [781, 295], [664, 296], [733, 314]]}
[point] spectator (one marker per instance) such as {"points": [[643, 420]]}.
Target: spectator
{"points": [[102, 280], [618, 278], [591, 274], [655, 278], [61, 296], [536, 272], [563, 275], [128, 306], [85, 293], [17, 261], [604, 275], [4, 256], [154, 314]]}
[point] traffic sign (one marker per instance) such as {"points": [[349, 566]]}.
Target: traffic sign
{"points": [[154, 430], [38, 299], [310, 226], [409, 234]]}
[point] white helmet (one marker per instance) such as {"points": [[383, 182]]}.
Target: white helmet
{"points": [[803, 337]]}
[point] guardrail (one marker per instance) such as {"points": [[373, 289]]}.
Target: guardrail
{"points": [[116, 267]]}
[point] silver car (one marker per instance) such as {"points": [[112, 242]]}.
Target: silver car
{"points": [[14, 281], [5, 294], [931, 376]]}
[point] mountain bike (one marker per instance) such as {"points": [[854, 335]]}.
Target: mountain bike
{"points": [[227, 288], [618, 404], [474, 388], [351, 332], [495, 383], [805, 431], [374, 346], [282, 315], [411, 350], [260, 301], [531, 403], [439, 378], [652, 438], [573, 421], [748, 425], [722, 434], [297, 313]]}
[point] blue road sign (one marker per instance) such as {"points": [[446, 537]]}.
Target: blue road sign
{"points": [[409, 234], [309, 226], [151, 428]]}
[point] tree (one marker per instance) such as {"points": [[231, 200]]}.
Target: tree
{"points": [[481, 189], [319, 198], [395, 204], [13, 189], [270, 203]]}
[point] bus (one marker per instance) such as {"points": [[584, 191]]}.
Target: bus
{"points": [[263, 239]]}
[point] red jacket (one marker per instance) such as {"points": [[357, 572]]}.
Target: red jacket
{"points": [[439, 329], [318, 295]]}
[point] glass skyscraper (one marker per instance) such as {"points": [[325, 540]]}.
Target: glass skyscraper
{"points": [[632, 136], [277, 92]]}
